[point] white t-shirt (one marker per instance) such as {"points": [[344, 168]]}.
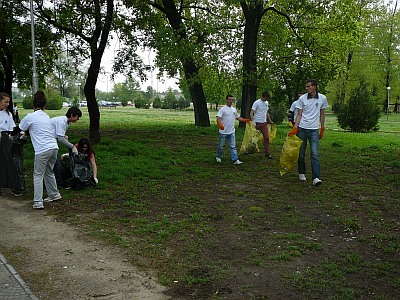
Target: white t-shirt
{"points": [[60, 125], [260, 111], [311, 110], [6, 121], [294, 110], [41, 131], [228, 115]]}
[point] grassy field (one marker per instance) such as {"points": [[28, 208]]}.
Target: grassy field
{"points": [[219, 231]]}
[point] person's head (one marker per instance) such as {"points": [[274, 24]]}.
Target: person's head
{"points": [[39, 100], [73, 114], [85, 147], [311, 86], [265, 96], [229, 99], [4, 101]]}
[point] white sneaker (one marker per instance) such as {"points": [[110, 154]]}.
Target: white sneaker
{"points": [[316, 181], [38, 205], [218, 160], [51, 199], [302, 177], [238, 162]]}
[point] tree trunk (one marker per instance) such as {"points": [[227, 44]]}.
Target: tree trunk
{"points": [[253, 14], [201, 117]]}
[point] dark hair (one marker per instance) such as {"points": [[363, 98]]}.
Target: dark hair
{"points": [[73, 111], [228, 96], [39, 100], [82, 142], [265, 94], [312, 81]]}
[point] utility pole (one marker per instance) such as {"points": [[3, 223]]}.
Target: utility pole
{"points": [[34, 74]]}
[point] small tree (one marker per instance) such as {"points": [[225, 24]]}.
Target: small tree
{"points": [[157, 102], [361, 113]]}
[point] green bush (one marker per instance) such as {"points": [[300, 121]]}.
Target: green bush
{"points": [[27, 102], [360, 114], [157, 102], [54, 102], [278, 112], [141, 102]]}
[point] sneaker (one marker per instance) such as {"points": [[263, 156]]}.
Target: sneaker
{"points": [[302, 177], [238, 162], [268, 156], [38, 205], [218, 160], [16, 193], [51, 199], [317, 181]]}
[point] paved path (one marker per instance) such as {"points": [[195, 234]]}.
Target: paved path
{"points": [[12, 287]]}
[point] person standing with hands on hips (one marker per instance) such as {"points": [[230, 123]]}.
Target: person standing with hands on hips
{"points": [[311, 112], [226, 117], [260, 115]]}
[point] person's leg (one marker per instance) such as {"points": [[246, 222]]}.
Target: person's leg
{"points": [[301, 163], [232, 147], [57, 172], [221, 142], [38, 173], [314, 145], [49, 178], [264, 130]]}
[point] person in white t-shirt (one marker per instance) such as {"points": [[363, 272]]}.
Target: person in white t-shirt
{"points": [[226, 117], [292, 115], [311, 113], [45, 145], [260, 115], [7, 124]]}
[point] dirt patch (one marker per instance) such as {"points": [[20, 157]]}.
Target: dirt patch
{"points": [[57, 262]]}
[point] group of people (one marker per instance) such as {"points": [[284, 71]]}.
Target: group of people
{"points": [[309, 125], [45, 134]]}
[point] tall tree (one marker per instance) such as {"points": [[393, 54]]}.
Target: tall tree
{"points": [[87, 25]]}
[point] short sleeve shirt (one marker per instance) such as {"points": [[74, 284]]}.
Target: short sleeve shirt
{"points": [[311, 110], [260, 111], [41, 131], [6, 121], [228, 115], [60, 125]]}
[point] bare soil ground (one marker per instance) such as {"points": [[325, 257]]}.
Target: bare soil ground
{"points": [[57, 262]]}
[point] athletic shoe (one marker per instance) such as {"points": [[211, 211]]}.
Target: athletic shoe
{"points": [[238, 162], [38, 205], [268, 156], [218, 160], [302, 177], [317, 181], [51, 199], [16, 193]]}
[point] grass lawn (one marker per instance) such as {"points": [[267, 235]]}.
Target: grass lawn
{"points": [[219, 231]]}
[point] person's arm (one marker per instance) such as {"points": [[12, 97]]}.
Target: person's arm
{"points": [[243, 119], [252, 114], [322, 120], [94, 166], [269, 121], [220, 123], [296, 124]]}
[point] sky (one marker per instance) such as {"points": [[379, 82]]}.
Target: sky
{"points": [[105, 84]]}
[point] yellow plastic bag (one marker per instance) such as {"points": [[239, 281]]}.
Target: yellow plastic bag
{"points": [[271, 132], [250, 140], [290, 153]]}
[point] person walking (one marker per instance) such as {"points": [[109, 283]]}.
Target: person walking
{"points": [[45, 145], [260, 115], [226, 117], [311, 113]]}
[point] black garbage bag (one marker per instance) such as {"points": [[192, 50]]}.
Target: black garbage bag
{"points": [[9, 177], [76, 168], [17, 152]]}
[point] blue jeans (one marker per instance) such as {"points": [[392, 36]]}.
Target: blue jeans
{"points": [[232, 145], [312, 135]]}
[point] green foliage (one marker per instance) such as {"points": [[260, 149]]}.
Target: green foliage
{"points": [[157, 102], [169, 101], [360, 114], [142, 102], [278, 111], [54, 102], [27, 102]]}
